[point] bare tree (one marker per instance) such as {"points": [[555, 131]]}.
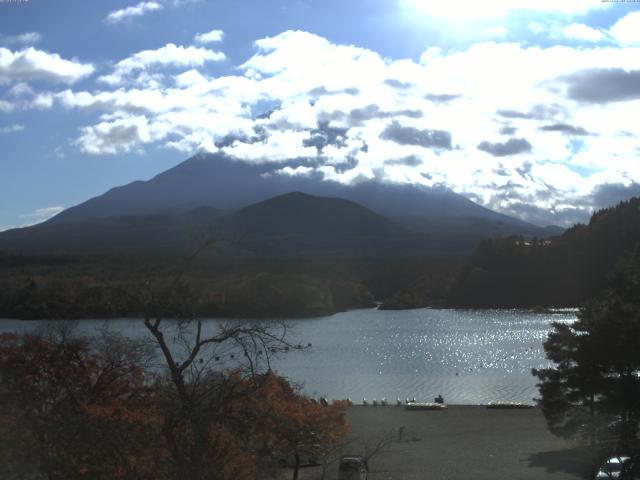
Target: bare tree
{"points": [[206, 363]]}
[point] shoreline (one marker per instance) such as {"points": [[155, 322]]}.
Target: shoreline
{"points": [[550, 311]]}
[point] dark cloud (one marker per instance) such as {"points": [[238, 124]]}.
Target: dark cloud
{"points": [[513, 146], [604, 85], [525, 170], [400, 85], [610, 194], [322, 91], [358, 116], [443, 98], [545, 217], [265, 115], [538, 112], [325, 135], [410, 161], [349, 163], [413, 136], [121, 135], [521, 204], [508, 130], [564, 128]]}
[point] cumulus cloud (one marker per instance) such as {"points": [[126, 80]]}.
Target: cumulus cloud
{"points": [[627, 29], [513, 146], [6, 107], [347, 113], [441, 98], [358, 116], [613, 193], [413, 136], [507, 130], [121, 135], [604, 85], [580, 31], [395, 83], [564, 128], [37, 65], [28, 38], [410, 161], [138, 10], [209, 37], [170, 55], [537, 112]]}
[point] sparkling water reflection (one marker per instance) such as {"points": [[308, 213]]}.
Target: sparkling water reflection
{"points": [[468, 356]]}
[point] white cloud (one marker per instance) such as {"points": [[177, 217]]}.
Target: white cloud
{"points": [[168, 56], [277, 146], [332, 103], [28, 38], [12, 128], [189, 78], [465, 10], [537, 28], [627, 29], [497, 31], [40, 215], [37, 65], [21, 89], [6, 107], [210, 37], [580, 31], [122, 135], [128, 13]]}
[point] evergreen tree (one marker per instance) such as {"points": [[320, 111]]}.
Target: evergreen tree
{"points": [[596, 377]]}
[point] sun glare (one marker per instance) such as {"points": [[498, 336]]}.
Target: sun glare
{"points": [[472, 10]]}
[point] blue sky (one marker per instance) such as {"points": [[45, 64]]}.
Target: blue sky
{"points": [[527, 107]]}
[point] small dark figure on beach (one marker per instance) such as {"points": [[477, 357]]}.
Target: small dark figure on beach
{"points": [[439, 399]]}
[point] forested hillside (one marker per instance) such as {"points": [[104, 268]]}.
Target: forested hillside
{"points": [[564, 270]]}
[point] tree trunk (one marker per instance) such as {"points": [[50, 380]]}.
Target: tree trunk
{"points": [[592, 429], [296, 467]]}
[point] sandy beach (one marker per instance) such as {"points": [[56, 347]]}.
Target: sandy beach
{"points": [[463, 442]]}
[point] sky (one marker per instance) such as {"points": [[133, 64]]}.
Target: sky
{"points": [[527, 107]]}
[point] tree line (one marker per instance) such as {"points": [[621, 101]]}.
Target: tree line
{"points": [[560, 271]]}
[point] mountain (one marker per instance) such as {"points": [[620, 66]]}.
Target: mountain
{"points": [[564, 271], [219, 181], [301, 223], [215, 191], [290, 224], [167, 233]]}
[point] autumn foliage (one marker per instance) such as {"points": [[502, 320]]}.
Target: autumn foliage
{"points": [[71, 408]]}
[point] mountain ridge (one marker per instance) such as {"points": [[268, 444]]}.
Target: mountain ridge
{"points": [[425, 220]]}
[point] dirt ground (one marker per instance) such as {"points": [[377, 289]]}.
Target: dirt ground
{"points": [[462, 442]]}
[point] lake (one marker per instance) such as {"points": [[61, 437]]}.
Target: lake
{"points": [[467, 356]]}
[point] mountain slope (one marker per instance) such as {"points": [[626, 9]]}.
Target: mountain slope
{"points": [[131, 234], [227, 184], [297, 222], [567, 270], [290, 224], [158, 215]]}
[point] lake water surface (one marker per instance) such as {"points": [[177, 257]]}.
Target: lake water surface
{"points": [[468, 356]]}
